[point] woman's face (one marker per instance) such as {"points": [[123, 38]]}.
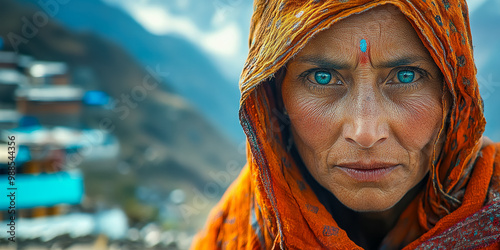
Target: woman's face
{"points": [[364, 101]]}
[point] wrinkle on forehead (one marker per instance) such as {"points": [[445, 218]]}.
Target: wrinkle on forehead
{"points": [[378, 27]]}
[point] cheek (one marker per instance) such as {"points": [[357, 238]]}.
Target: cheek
{"points": [[313, 121], [418, 119]]}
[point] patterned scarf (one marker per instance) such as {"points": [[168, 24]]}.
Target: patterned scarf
{"points": [[271, 205]]}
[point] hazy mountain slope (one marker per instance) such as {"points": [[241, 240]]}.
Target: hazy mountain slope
{"points": [[190, 71], [162, 136]]}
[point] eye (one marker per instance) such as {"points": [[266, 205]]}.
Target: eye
{"points": [[322, 77], [406, 76]]}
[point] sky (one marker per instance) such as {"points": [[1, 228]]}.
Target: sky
{"points": [[474, 4], [223, 36]]}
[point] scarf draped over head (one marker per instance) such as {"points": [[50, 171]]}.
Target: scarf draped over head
{"points": [[271, 205]]}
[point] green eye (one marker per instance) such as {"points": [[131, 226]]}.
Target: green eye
{"points": [[322, 77], [406, 76]]}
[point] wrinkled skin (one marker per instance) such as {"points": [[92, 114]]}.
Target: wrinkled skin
{"points": [[365, 115]]}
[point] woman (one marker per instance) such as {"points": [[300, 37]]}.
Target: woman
{"points": [[364, 126]]}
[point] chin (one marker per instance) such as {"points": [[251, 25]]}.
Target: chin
{"points": [[370, 207], [371, 200]]}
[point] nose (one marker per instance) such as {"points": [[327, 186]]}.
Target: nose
{"points": [[366, 123]]}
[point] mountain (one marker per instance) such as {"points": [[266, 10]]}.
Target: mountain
{"points": [[485, 35], [166, 142], [189, 71]]}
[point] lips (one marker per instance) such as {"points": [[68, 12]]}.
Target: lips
{"points": [[367, 172]]}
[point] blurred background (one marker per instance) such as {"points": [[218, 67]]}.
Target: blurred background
{"points": [[124, 114]]}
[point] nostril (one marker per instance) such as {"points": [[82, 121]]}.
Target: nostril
{"points": [[366, 130], [350, 140], [365, 142]]}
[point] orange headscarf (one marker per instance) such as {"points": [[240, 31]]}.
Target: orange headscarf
{"points": [[271, 205]]}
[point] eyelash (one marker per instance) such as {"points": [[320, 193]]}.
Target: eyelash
{"points": [[303, 77], [408, 86]]}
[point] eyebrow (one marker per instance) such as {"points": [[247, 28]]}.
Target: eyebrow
{"points": [[406, 60], [323, 62]]}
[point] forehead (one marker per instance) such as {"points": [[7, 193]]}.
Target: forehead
{"points": [[385, 29]]}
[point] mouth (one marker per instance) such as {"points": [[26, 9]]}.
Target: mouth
{"points": [[363, 172]]}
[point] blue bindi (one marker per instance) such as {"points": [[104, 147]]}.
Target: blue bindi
{"points": [[363, 45]]}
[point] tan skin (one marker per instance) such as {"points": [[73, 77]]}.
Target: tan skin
{"points": [[354, 113]]}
